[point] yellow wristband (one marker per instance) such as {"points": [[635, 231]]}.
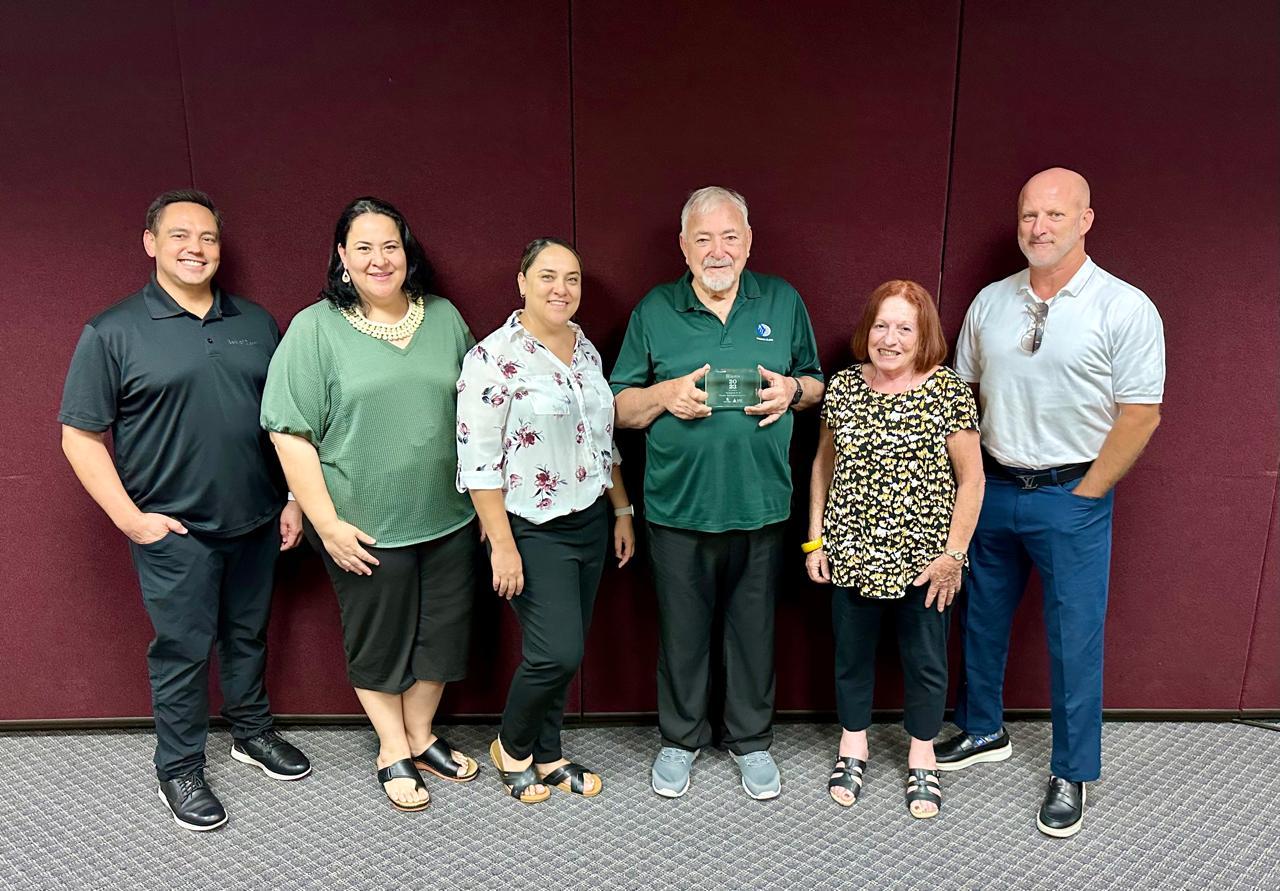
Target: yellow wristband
{"points": [[810, 546]]}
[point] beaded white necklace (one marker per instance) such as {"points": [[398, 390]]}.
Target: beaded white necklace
{"points": [[406, 327]]}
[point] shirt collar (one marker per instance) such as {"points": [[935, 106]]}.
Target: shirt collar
{"points": [[687, 300], [1072, 288], [161, 305]]}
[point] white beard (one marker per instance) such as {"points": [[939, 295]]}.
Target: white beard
{"points": [[718, 278]]}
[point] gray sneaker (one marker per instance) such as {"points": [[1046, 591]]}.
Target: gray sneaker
{"points": [[760, 777], [671, 771]]}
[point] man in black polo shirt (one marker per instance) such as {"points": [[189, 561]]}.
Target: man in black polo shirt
{"points": [[717, 487], [175, 372]]}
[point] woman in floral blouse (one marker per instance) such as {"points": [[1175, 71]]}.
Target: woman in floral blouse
{"points": [[894, 497], [536, 453]]}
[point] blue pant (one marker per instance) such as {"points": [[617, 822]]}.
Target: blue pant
{"points": [[1068, 539]]}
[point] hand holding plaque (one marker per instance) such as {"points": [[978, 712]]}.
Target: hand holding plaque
{"points": [[732, 388]]}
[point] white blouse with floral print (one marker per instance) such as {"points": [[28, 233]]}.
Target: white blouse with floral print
{"points": [[527, 424]]}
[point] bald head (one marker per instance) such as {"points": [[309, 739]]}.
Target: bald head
{"points": [[1053, 218], [1066, 183]]}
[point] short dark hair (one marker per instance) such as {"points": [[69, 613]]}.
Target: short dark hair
{"points": [[418, 272], [538, 245], [180, 196], [932, 346]]}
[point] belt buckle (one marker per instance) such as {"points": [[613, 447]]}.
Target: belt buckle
{"points": [[1028, 480]]}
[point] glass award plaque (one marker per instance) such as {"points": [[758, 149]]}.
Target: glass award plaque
{"points": [[732, 388]]}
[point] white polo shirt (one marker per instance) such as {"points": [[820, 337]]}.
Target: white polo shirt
{"points": [[1103, 344]]}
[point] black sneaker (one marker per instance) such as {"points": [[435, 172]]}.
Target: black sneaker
{"points": [[1062, 812], [965, 749], [278, 758], [192, 802]]}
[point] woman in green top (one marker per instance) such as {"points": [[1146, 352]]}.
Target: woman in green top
{"points": [[360, 402]]}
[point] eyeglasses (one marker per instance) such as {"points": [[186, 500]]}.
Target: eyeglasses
{"points": [[1034, 335]]}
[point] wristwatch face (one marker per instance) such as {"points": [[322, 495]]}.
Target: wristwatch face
{"points": [[798, 394]]}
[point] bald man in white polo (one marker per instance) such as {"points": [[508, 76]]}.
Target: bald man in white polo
{"points": [[1068, 364]]}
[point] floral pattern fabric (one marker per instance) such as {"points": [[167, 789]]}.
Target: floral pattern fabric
{"points": [[530, 425], [892, 488]]}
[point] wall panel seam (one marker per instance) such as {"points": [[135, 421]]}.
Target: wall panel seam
{"points": [[1257, 604], [951, 156], [182, 89]]}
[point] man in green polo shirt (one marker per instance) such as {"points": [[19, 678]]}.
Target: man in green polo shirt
{"points": [[175, 374], [717, 483]]}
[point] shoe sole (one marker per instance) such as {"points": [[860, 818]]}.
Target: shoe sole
{"points": [[192, 826], [245, 758], [670, 793], [763, 796], [1001, 754], [1065, 831]]}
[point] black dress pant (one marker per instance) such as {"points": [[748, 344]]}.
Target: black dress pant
{"points": [[563, 559], [696, 574], [410, 620], [199, 589], [922, 647]]}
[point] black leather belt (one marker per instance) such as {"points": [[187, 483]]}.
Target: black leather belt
{"points": [[1034, 479]]}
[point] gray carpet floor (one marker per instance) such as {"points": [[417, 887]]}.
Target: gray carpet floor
{"points": [[1181, 805]]}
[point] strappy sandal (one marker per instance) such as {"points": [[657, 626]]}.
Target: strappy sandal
{"points": [[846, 774], [923, 785], [519, 783], [403, 770], [572, 778], [437, 758]]}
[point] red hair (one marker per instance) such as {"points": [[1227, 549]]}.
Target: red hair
{"points": [[931, 347]]}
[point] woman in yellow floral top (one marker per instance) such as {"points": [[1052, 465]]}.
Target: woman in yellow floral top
{"points": [[894, 497]]}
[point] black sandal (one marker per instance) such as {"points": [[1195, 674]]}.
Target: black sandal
{"points": [[571, 778], [518, 782], [403, 770], [437, 758], [847, 774], [923, 785]]}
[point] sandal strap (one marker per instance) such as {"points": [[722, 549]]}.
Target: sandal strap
{"points": [[573, 772], [439, 757], [519, 780], [401, 770], [843, 776], [923, 785]]}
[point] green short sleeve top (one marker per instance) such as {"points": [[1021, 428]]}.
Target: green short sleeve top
{"points": [[381, 418]]}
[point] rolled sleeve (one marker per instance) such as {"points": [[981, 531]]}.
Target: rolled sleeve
{"points": [[91, 392], [484, 402]]}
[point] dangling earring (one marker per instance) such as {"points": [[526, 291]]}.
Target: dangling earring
{"points": [[346, 276]]}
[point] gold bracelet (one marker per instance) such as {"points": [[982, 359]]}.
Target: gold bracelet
{"points": [[810, 546]]}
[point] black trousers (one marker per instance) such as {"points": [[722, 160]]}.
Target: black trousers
{"points": [[696, 575], [563, 559], [197, 590], [922, 647], [411, 619]]}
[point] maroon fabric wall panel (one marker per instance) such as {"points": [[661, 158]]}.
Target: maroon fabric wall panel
{"points": [[90, 137], [836, 130], [456, 113], [1262, 672], [1170, 114]]}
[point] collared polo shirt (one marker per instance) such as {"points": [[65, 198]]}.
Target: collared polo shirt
{"points": [[724, 471], [180, 395], [1103, 345]]}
